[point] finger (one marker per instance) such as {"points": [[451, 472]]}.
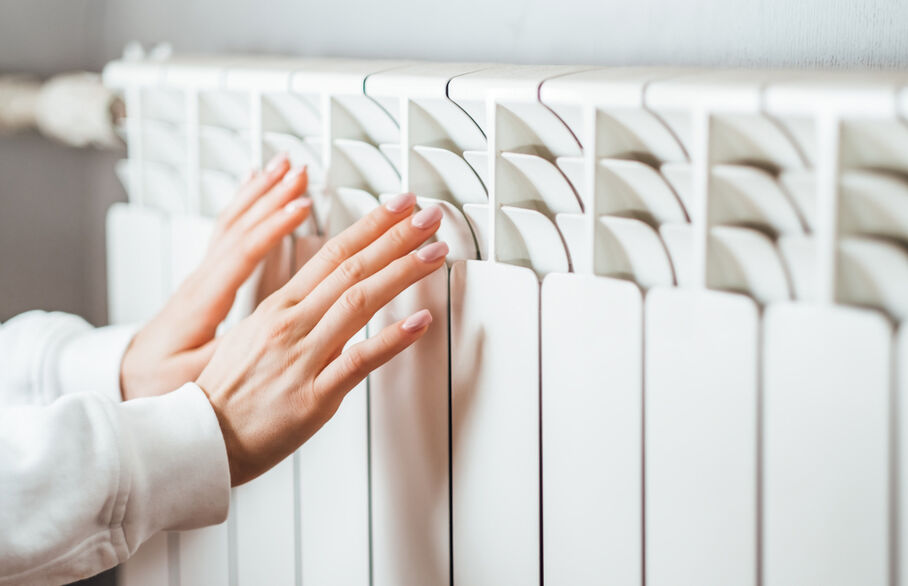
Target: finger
{"points": [[264, 237], [233, 260], [348, 369], [239, 258], [404, 237], [346, 244], [357, 305], [258, 185], [293, 185]]}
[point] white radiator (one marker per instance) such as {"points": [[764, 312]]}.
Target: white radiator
{"points": [[674, 350]]}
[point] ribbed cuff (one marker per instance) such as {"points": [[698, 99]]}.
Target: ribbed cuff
{"points": [[180, 478], [90, 360]]}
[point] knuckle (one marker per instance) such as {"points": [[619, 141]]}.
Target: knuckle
{"points": [[266, 305], [398, 238], [372, 222], [334, 252], [355, 363], [309, 399], [355, 300], [387, 342], [307, 346], [272, 303], [353, 270], [280, 326]]}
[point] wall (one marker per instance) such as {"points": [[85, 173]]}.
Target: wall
{"points": [[705, 32], [50, 250]]}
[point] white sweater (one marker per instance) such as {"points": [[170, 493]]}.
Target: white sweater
{"points": [[85, 478]]}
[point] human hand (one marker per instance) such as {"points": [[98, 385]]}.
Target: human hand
{"points": [[175, 345], [282, 372]]}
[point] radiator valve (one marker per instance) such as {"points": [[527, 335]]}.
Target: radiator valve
{"points": [[72, 108]]}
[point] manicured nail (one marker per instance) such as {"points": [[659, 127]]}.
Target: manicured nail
{"points": [[399, 203], [433, 252], [297, 204], [417, 321], [427, 217], [294, 174], [275, 162]]}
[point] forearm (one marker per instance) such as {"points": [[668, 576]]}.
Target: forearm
{"points": [[84, 481]]}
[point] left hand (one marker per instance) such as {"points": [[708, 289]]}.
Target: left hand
{"points": [[280, 374], [176, 344]]}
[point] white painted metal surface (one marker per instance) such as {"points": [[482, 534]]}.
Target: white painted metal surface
{"points": [[334, 496], [150, 565], [901, 442], [827, 446], [495, 424], [576, 432], [408, 425], [592, 430], [138, 252], [265, 532], [701, 437]]}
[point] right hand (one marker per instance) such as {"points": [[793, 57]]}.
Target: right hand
{"points": [[282, 372]]}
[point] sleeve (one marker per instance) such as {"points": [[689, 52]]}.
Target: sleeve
{"points": [[85, 481], [45, 355]]}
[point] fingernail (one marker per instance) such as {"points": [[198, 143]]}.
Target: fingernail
{"points": [[427, 217], [417, 321], [297, 204], [433, 252], [399, 203], [294, 174], [275, 162]]}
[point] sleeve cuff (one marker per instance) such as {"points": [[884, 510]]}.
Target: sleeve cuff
{"points": [[90, 360], [180, 478]]}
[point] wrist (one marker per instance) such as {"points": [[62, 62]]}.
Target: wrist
{"points": [[228, 432], [141, 367], [127, 370]]}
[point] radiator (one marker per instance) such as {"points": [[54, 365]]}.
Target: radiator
{"points": [[668, 347]]}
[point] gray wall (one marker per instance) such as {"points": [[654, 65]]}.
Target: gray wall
{"points": [[52, 199], [706, 32], [50, 217]]}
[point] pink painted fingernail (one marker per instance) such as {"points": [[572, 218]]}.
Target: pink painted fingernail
{"points": [[417, 321], [275, 162], [294, 174], [433, 252], [426, 217], [297, 204], [399, 203]]}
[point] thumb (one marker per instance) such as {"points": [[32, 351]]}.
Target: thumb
{"points": [[191, 362]]}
